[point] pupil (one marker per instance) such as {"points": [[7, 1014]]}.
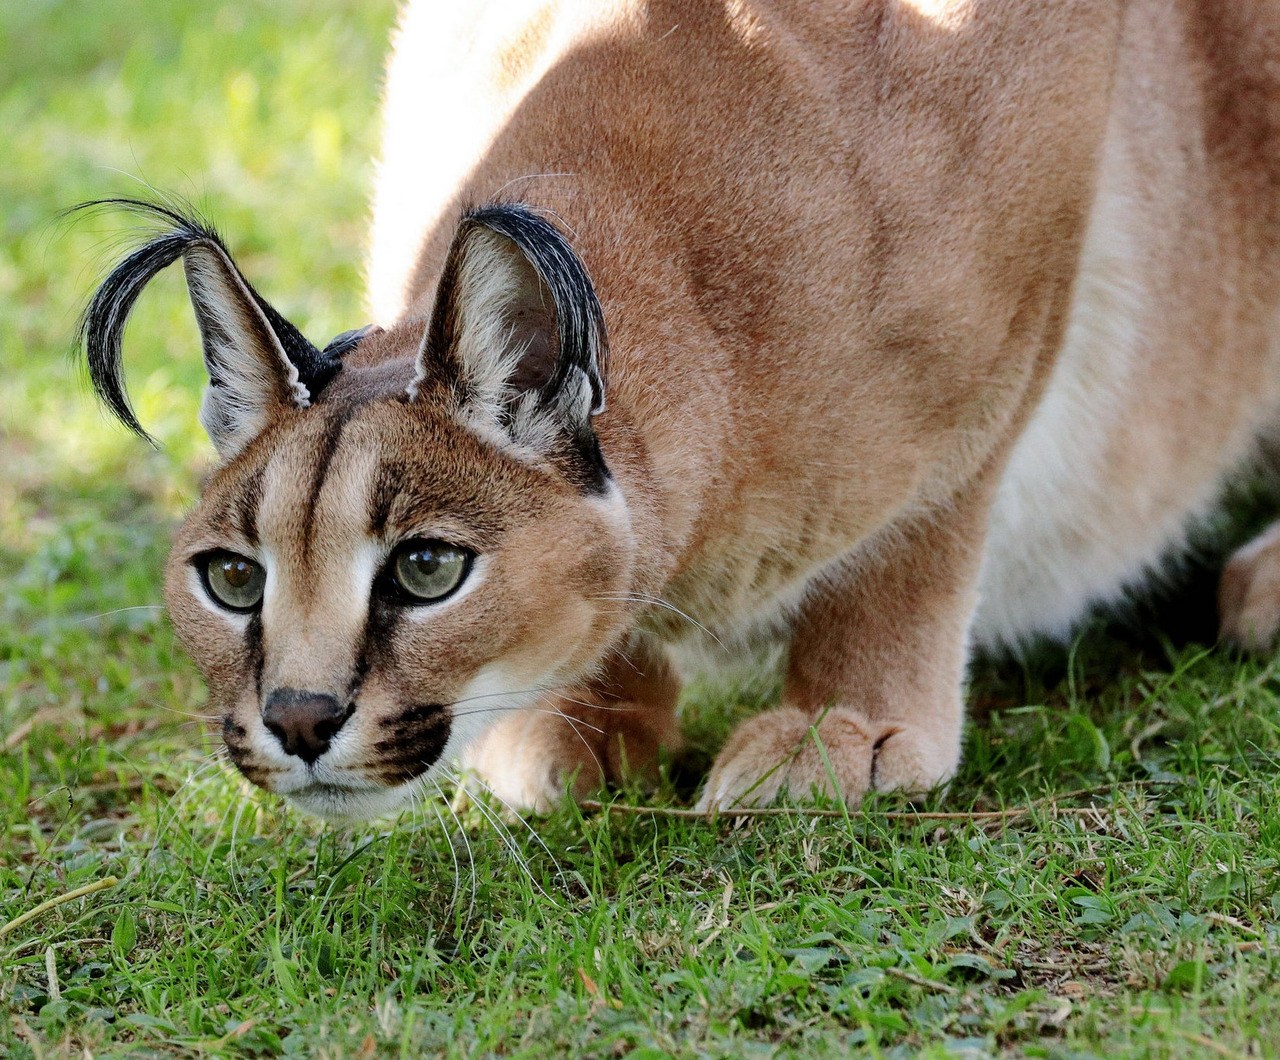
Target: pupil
{"points": [[237, 573], [426, 562]]}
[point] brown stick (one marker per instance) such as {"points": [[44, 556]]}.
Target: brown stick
{"points": [[44, 907], [919, 980], [891, 815]]}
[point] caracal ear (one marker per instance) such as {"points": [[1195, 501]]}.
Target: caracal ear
{"points": [[258, 362], [250, 372], [517, 335]]}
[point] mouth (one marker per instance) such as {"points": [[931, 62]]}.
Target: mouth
{"points": [[331, 799], [339, 802]]}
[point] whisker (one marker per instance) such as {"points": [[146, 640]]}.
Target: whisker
{"points": [[174, 810], [527, 176], [594, 757], [645, 598], [471, 854], [187, 714], [509, 841], [549, 690], [536, 689], [118, 611], [491, 695], [531, 830], [537, 710], [592, 706], [209, 763], [418, 803], [233, 872]]}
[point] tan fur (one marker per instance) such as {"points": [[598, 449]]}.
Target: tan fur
{"points": [[864, 268]]}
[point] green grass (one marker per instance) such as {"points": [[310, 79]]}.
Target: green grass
{"points": [[1148, 927]]}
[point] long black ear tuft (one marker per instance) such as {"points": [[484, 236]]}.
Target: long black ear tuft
{"points": [[254, 356]]}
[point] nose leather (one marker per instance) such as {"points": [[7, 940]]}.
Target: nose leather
{"points": [[304, 722]]}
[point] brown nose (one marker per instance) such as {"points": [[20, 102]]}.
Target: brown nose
{"points": [[304, 722]]}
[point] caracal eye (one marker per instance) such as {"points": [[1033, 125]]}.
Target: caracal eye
{"points": [[429, 570], [233, 581]]}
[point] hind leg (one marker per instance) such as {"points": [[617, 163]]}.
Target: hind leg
{"points": [[1249, 593]]}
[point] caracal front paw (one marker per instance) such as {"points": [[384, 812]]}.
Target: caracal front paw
{"points": [[530, 759], [838, 753]]}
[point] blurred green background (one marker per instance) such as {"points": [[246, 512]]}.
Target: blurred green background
{"points": [[262, 114]]}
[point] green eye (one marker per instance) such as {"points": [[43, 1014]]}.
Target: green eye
{"points": [[429, 570], [233, 581]]}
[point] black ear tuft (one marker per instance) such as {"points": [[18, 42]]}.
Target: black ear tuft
{"points": [[101, 328], [315, 367], [341, 345]]}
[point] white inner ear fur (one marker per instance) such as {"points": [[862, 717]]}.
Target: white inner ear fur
{"points": [[534, 427], [503, 311], [494, 280], [241, 347]]}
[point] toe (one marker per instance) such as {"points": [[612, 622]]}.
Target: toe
{"points": [[913, 760], [1249, 602], [776, 753]]}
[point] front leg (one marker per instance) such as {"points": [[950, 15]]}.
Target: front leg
{"points": [[872, 698], [602, 731]]}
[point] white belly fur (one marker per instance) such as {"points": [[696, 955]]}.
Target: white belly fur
{"points": [[1065, 536]]}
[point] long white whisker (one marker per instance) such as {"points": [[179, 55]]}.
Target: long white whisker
{"points": [[527, 176], [644, 598], [233, 869], [592, 706], [537, 710], [471, 854], [418, 800], [549, 690], [559, 695], [531, 830], [118, 611], [187, 714], [495, 695], [509, 841], [594, 757], [177, 801]]}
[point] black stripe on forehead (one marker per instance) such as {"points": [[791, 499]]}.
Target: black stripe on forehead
{"points": [[383, 493], [249, 502], [325, 452]]}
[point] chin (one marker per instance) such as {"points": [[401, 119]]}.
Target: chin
{"points": [[349, 805]]}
